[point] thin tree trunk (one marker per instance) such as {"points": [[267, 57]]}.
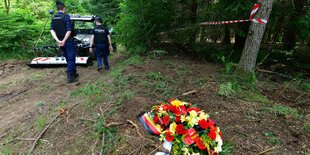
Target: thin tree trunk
{"points": [[7, 5], [254, 38]]}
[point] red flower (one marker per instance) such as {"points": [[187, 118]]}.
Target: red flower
{"points": [[192, 133], [200, 144], [176, 110], [203, 123], [212, 134], [166, 120], [180, 129], [211, 121], [169, 137], [170, 100], [183, 110], [156, 119], [188, 140], [165, 107], [193, 108], [177, 119]]}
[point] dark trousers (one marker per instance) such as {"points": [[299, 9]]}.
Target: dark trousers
{"points": [[69, 51], [102, 51]]}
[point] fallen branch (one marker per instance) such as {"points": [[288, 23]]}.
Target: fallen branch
{"points": [[268, 150], [283, 89], [155, 149], [138, 148], [189, 93], [102, 143], [114, 124], [275, 73], [44, 130], [137, 129]]}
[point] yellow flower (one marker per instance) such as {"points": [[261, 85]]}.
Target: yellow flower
{"points": [[183, 118], [172, 127], [177, 103], [192, 120], [193, 114], [203, 115], [185, 151]]}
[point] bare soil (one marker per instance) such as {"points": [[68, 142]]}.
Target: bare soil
{"points": [[27, 94]]}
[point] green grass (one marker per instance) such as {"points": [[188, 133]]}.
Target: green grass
{"points": [[227, 149], [272, 139], [200, 82], [158, 84], [6, 151], [182, 71], [40, 104], [169, 64], [226, 89], [41, 122], [253, 96], [307, 127], [280, 110]]}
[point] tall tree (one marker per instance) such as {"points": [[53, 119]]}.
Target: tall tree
{"points": [[254, 38]]}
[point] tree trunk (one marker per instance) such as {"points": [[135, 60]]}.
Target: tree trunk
{"points": [[254, 38], [7, 4], [290, 36]]}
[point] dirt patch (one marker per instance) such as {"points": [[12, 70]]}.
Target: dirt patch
{"points": [[28, 94]]}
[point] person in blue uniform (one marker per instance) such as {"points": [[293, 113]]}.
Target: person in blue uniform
{"points": [[103, 45], [62, 30]]}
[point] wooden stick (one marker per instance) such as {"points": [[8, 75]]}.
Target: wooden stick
{"points": [[137, 129], [268, 150], [102, 143], [44, 130], [138, 148], [114, 124], [155, 149], [275, 73], [190, 92]]}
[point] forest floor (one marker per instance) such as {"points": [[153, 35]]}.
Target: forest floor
{"points": [[101, 109]]}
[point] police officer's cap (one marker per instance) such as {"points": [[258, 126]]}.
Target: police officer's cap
{"points": [[98, 19]]}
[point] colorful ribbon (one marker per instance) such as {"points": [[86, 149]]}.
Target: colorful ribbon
{"points": [[252, 19]]}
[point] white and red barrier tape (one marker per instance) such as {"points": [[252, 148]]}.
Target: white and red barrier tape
{"points": [[253, 12]]}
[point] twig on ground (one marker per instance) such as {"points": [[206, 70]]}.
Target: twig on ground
{"points": [[268, 150], [275, 73], [137, 149], [44, 130], [155, 149], [87, 119], [283, 89], [114, 124], [102, 143], [190, 92], [300, 96], [137, 129]]}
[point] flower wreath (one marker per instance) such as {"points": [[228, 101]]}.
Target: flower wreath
{"points": [[189, 129]]}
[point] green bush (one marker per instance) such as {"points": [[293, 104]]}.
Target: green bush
{"points": [[18, 31]]}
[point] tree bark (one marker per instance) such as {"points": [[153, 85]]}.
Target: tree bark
{"points": [[254, 38]]}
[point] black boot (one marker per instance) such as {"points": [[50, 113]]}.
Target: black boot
{"points": [[71, 79]]}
